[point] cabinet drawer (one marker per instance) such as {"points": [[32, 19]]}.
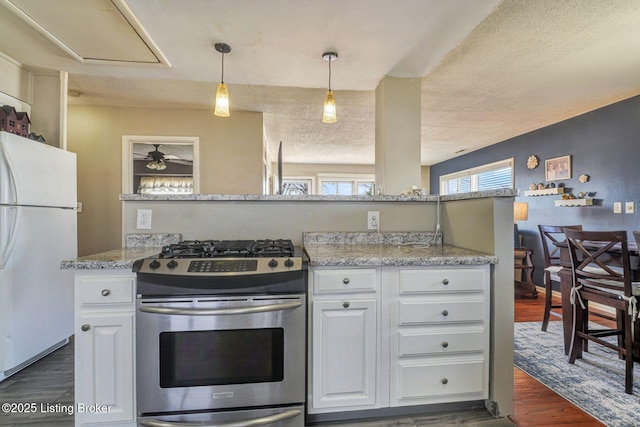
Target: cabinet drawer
{"points": [[112, 290], [441, 280], [440, 378], [423, 312], [428, 343], [347, 280]]}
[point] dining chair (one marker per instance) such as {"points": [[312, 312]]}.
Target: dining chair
{"points": [[601, 272], [549, 235]]}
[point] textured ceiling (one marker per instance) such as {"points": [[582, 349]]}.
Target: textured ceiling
{"points": [[490, 69]]}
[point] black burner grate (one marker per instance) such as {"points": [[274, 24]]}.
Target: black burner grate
{"points": [[228, 249]]}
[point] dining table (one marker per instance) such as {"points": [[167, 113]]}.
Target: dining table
{"points": [[566, 280]]}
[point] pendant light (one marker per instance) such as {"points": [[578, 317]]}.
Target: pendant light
{"points": [[222, 94], [329, 115]]}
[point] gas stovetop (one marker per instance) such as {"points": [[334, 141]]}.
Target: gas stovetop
{"points": [[211, 258], [229, 249]]}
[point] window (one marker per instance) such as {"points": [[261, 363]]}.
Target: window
{"points": [[346, 185], [297, 186], [486, 177]]}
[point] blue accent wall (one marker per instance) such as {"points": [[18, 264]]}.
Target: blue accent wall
{"points": [[604, 144]]}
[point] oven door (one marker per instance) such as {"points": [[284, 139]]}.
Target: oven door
{"points": [[201, 353]]}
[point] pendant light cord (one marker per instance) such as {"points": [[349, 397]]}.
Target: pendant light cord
{"points": [[329, 74], [222, 77]]}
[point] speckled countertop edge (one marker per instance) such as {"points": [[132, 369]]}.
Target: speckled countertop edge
{"points": [[504, 192], [117, 259], [386, 249], [137, 246]]}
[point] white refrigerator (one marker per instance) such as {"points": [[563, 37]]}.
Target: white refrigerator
{"points": [[38, 230]]}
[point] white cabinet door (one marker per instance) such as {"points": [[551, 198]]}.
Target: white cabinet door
{"points": [[104, 368], [344, 354]]}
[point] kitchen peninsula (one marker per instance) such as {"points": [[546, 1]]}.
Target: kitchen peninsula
{"points": [[476, 234]]}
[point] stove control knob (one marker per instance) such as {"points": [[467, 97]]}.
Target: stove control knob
{"points": [[172, 264], [154, 264], [288, 262], [272, 263]]}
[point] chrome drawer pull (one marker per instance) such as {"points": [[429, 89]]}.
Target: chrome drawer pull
{"points": [[106, 292], [346, 304], [270, 419], [445, 281], [445, 313], [85, 327], [346, 280], [445, 344], [444, 381]]}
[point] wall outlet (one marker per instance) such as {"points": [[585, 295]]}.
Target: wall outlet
{"points": [[144, 219], [79, 207], [629, 207], [617, 207], [373, 220]]}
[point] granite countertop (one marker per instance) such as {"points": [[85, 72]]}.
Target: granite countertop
{"points": [[503, 192], [116, 259], [137, 246], [387, 249]]}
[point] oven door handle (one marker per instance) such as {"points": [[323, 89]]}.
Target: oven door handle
{"points": [[218, 311], [254, 422]]}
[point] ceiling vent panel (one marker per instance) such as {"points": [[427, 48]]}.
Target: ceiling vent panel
{"points": [[91, 31]]}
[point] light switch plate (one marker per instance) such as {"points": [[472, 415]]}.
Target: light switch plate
{"points": [[629, 207], [617, 207]]}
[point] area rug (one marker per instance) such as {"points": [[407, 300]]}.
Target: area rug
{"points": [[594, 383]]}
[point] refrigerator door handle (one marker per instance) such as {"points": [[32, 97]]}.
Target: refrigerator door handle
{"points": [[8, 225], [8, 187]]}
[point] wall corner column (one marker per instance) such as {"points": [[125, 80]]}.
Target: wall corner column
{"points": [[398, 133]]}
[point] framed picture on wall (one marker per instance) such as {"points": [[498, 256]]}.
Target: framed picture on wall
{"points": [[557, 168]]}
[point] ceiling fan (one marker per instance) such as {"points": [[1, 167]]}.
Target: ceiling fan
{"points": [[172, 154], [157, 159]]}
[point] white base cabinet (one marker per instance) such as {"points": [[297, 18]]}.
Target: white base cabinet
{"points": [[344, 344], [397, 336], [104, 348], [439, 333]]}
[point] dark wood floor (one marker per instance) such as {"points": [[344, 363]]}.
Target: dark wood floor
{"points": [[50, 381], [535, 405]]}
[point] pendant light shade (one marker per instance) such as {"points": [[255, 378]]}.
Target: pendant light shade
{"points": [[222, 101], [329, 115], [222, 93]]}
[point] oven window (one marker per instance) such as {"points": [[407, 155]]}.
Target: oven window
{"points": [[238, 356]]}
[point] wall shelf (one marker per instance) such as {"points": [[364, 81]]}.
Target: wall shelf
{"points": [[544, 192], [574, 202]]}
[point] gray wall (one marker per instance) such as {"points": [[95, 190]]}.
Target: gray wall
{"points": [[603, 144]]}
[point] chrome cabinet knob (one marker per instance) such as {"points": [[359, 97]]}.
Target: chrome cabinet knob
{"points": [[346, 304], [445, 282], [445, 344], [85, 327], [445, 313], [346, 280], [106, 292], [444, 381]]}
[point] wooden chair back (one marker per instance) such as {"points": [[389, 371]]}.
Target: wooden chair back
{"points": [[550, 234], [600, 260]]}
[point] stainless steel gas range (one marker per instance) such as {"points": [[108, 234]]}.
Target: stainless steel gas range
{"points": [[221, 334]]}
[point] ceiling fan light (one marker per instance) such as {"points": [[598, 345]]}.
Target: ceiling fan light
{"points": [[329, 115], [222, 101], [161, 165], [152, 165]]}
